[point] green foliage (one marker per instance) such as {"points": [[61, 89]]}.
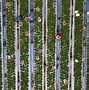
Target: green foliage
{"points": [[78, 44], [24, 44], [65, 43], [38, 46], [51, 47], [10, 21]]}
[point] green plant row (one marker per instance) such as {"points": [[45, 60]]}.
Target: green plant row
{"points": [[51, 46], [24, 40], [78, 44], [10, 45], [38, 46], [65, 43]]}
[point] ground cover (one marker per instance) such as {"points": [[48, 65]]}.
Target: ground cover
{"points": [[65, 42], [38, 44], [10, 45], [24, 40], [51, 45], [78, 44]]}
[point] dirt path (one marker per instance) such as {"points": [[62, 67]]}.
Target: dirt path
{"points": [[17, 46], [3, 41], [57, 44], [44, 40], [71, 47], [31, 46]]}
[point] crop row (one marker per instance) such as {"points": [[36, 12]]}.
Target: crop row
{"points": [[38, 45], [24, 39], [78, 44], [51, 45], [65, 42], [10, 45]]}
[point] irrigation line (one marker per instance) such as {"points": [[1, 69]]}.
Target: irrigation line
{"points": [[17, 46], [3, 41], [31, 47], [44, 41]]}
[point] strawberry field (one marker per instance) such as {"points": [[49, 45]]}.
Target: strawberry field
{"points": [[23, 42]]}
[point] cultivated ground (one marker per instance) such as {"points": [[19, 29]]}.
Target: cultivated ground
{"points": [[44, 44]]}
